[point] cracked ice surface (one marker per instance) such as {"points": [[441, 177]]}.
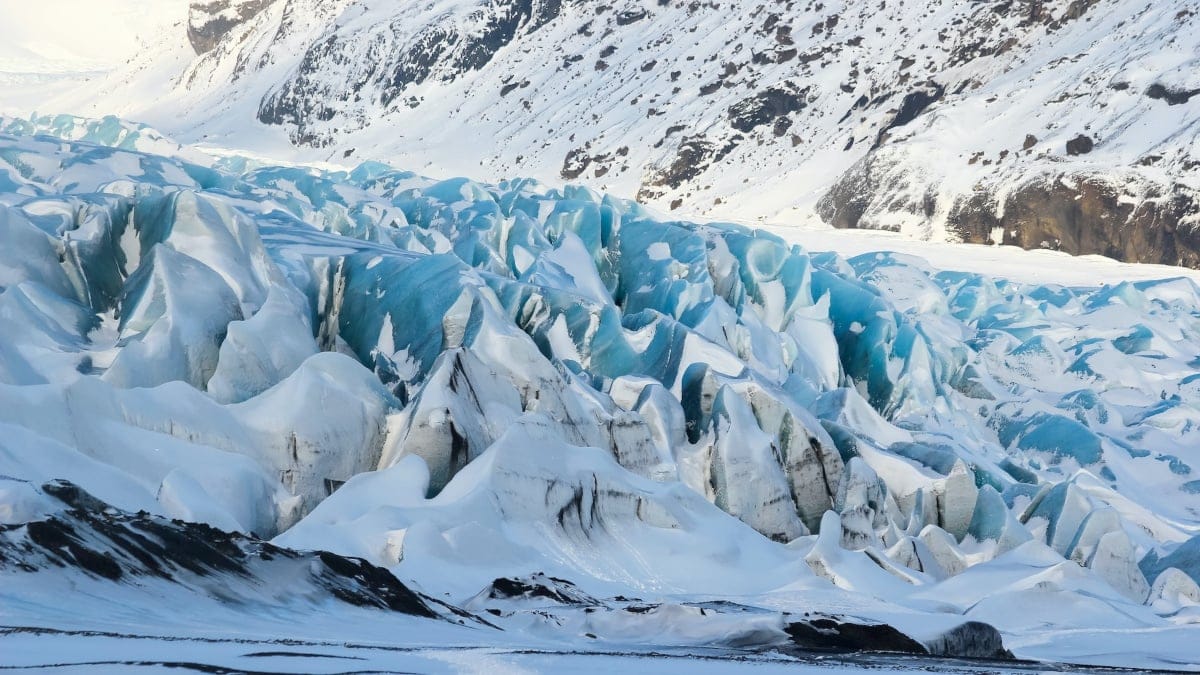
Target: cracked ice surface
{"points": [[460, 381]]}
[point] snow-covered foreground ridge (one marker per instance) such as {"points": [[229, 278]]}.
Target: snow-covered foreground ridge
{"points": [[463, 382]]}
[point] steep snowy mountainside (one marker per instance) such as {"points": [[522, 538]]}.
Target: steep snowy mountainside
{"points": [[1064, 125], [662, 430]]}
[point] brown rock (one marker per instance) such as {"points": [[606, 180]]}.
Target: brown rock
{"points": [[1088, 217]]}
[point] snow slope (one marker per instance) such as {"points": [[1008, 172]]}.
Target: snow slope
{"points": [[575, 418], [943, 120]]}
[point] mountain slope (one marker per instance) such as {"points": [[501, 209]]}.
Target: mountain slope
{"points": [[1063, 125]]}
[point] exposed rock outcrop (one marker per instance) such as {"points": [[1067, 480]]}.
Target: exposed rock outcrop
{"points": [[92, 537], [1086, 214], [210, 22]]}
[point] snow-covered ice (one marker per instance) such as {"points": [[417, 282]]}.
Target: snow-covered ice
{"points": [[665, 435]]}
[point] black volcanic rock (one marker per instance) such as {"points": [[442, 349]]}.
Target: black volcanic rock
{"points": [[828, 634], [971, 639], [537, 587], [103, 542]]}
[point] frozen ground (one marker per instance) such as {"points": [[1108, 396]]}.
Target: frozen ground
{"points": [[53, 651]]}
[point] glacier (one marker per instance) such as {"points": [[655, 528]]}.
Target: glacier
{"points": [[549, 416]]}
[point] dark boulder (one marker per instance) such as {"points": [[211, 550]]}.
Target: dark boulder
{"points": [[536, 587], [914, 103], [1080, 145], [766, 107], [971, 639], [829, 634], [103, 542], [1171, 96]]}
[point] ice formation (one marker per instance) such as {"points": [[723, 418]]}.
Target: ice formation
{"points": [[463, 382]]}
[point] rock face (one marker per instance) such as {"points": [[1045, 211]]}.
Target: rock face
{"points": [[209, 23], [1087, 214], [1170, 95], [1122, 214], [387, 60]]}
